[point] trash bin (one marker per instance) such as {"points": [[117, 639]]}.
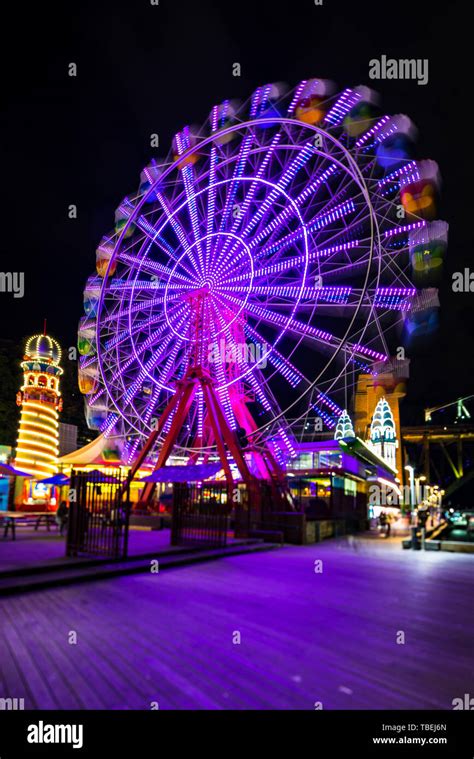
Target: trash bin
{"points": [[414, 539]]}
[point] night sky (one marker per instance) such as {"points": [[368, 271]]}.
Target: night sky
{"points": [[144, 69]]}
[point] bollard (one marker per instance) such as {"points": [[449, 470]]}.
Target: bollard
{"points": [[414, 539]]}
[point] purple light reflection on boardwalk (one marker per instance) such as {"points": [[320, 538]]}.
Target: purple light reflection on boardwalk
{"points": [[305, 637]]}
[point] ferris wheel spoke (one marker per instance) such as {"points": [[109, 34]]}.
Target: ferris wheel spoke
{"points": [[176, 226], [246, 371], [256, 181], [211, 202], [304, 330], [155, 237], [294, 262], [157, 335], [337, 294], [222, 390], [140, 306], [283, 365], [304, 154], [145, 370], [153, 267], [145, 285], [317, 224], [282, 218], [346, 101], [235, 180]]}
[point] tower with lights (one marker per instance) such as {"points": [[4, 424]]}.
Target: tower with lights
{"points": [[383, 436], [40, 400]]}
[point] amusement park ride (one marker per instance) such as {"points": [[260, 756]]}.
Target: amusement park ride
{"points": [[297, 221]]}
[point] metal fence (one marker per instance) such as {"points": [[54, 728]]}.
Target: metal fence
{"points": [[200, 514], [98, 515]]}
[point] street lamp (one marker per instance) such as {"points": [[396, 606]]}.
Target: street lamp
{"points": [[419, 479]]}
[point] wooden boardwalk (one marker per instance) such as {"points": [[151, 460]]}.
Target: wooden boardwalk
{"points": [[306, 637]]}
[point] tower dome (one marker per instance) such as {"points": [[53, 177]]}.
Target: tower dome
{"points": [[43, 348]]}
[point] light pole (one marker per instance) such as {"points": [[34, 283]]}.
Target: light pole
{"points": [[419, 479], [411, 472]]}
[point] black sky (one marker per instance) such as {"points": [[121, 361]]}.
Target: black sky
{"points": [[145, 69]]}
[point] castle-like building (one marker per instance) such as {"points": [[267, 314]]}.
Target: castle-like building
{"points": [[382, 438]]}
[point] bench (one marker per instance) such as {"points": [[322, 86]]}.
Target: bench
{"points": [[10, 520]]}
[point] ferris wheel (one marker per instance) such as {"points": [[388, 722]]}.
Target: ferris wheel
{"points": [[282, 246]]}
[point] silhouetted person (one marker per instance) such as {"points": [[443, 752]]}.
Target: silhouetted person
{"points": [[61, 516]]}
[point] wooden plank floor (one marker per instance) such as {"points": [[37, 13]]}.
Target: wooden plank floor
{"points": [[33, 548], [305, 637]]}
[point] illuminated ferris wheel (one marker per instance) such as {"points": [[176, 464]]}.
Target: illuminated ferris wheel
{"points": [[278, 246]]}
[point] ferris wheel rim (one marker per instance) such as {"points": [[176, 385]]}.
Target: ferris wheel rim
{"points": [[356, 174]]}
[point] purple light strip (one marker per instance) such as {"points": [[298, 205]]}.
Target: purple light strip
{"points": [[187, 174], [343, 105], [139, 307], [289, 211], [394, 176], [163, 330], [200, 414], [404, 229], [372, 132], [211, 203], [296, 97], [305, 330], [153, 266], [176, 226], [287, 442], [281, 321], [296, 261], [301, 160], [253, 188], [143, 224], [328, 420], [318, 223], [108, 424], [126, 333], [287, 370], [244, 151], [331, 293], [326, 401]]}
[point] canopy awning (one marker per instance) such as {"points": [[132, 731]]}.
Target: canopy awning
{"points": [[56, 479], [191, 473], [9, 471]]}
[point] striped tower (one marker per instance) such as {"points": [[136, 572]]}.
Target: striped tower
{"points": [[40, 400]]}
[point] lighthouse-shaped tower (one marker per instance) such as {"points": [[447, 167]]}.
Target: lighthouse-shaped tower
{"points": [[40, 400]]}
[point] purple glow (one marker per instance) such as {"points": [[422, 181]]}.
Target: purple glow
{"points": [[250, 233]]}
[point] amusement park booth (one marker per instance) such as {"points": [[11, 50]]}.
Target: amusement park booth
{"points": [[330, 480]]}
